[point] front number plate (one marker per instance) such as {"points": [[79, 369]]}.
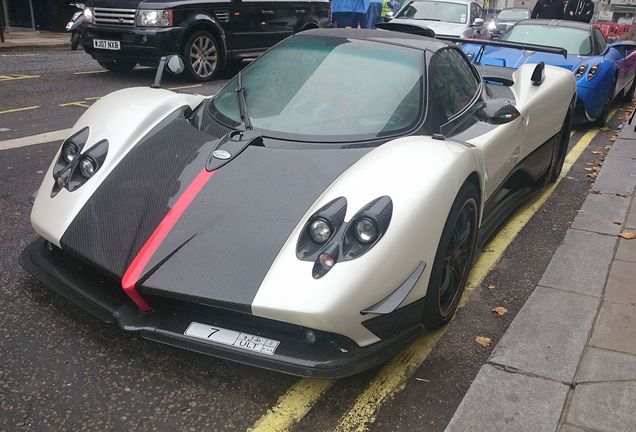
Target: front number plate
{"points": [[232, 338], [106, 44]]}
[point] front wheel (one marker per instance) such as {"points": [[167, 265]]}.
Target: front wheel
{"points": [[602, 119], [75, 40], [564, 139], [453, 259], [202, 56], [118, 66]]}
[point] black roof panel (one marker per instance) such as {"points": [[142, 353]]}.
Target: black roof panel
{"points": [[383, 36]]}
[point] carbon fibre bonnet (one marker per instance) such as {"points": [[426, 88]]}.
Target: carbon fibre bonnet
{"points": [[219, 249]]}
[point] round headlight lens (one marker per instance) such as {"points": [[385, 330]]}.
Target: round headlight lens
{"points": [[580, 71], [365, 230], [70, 152], [87, 167], [319, 230]]}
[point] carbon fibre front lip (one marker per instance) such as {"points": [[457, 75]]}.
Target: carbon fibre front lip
{"points": [[333, 356]]}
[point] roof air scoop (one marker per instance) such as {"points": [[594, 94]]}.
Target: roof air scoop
{"points": [[407, 28], [538, 75]]}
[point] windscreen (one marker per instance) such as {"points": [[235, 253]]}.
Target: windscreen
{"points": [[514, 14], [435, 11], [328, 89], [575, 41]]}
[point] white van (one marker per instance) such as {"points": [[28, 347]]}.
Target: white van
{"points": [[459, 18]]}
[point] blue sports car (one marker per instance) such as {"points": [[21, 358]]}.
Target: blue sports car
{"points": [[602, 70]]}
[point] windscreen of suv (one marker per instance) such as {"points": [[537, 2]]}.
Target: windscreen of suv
{"points": [[513, 14], [435, 11], [328, 90], [575, 41]]}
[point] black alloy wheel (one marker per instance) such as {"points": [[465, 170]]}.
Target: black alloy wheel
{"points": [[453, 259], [564, 139], [202, 56], [602, 119], [118, 65]]}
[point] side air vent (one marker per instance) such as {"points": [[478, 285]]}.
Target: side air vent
{"points": [[222, 16]]}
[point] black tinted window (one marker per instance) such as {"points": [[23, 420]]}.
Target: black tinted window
{"points": [[453, 84]]}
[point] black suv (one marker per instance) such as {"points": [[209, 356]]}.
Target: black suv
{"points": [[208, 34]]}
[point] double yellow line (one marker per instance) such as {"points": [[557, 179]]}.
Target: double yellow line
{"points": [[301, 397]]}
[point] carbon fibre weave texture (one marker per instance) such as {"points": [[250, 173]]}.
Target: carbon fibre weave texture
{"points": [[125, 209]]}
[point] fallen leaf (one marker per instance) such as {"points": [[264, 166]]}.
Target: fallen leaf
{"points": [[588, 169], [491, 286], [617, 222], [628, 235], [595, 192], [500, 310], [579, 211], [604, 129], [597, 152], [483, 341], [607, 147], [621, 195]]}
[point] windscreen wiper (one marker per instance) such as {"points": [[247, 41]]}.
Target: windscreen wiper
{"points": [[240, 92]]}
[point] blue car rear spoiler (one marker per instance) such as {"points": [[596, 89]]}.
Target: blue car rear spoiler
{"points": [[502, 44]]}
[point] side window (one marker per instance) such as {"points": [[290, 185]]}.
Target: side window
{"points": [[601, 44], [453, 84]]}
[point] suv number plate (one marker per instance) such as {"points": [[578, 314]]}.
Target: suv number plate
{"points": [[232, 337], [106, 44]]}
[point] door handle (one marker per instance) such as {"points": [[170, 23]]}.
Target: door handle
{"points": [[301, 11], [267, 12]]}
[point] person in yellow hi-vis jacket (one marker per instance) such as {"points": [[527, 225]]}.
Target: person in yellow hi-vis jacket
{"points": [[389, 9]]}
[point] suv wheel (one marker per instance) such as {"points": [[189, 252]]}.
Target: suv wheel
{"points": [[202, 56]]}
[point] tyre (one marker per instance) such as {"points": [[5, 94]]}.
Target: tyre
{"points": [[627, 97], [453, 259], [75, 40], [564, 139], [118, 65], [602, 119], [202, 56]]}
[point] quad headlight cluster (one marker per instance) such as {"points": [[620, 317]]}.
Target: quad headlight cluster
{"points": [[580, 71], [74, 167], [327, 239]]}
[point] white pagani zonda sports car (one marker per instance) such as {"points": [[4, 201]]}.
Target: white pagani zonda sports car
{"points": [[319, 212]]}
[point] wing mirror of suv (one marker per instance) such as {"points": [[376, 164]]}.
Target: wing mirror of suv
{"points": [[478, 22], [498, 111], [174, 64]]}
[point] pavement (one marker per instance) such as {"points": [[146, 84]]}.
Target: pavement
{"points": [[33, 40], [568, 360]]}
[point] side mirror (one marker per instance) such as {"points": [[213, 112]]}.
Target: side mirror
{"points": [[174, 64], [478, 22], [388, 16], [498, 111]]}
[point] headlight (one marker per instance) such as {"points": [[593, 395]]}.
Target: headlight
{"points": [[492, 26], [154, 18], [593, 71], [319, 230], [87, 167], [580, 71], [365, 230], [69, 152], [88, 15]]}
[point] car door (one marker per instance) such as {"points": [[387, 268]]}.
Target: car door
{"points": [[252, 29], [455, 87], [291, 15]]}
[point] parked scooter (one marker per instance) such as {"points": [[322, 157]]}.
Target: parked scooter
{"points": [[76, 25]]}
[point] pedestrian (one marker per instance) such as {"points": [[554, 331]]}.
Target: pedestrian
{"points": [[390, 8], [580, 10], [548, 9]]}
